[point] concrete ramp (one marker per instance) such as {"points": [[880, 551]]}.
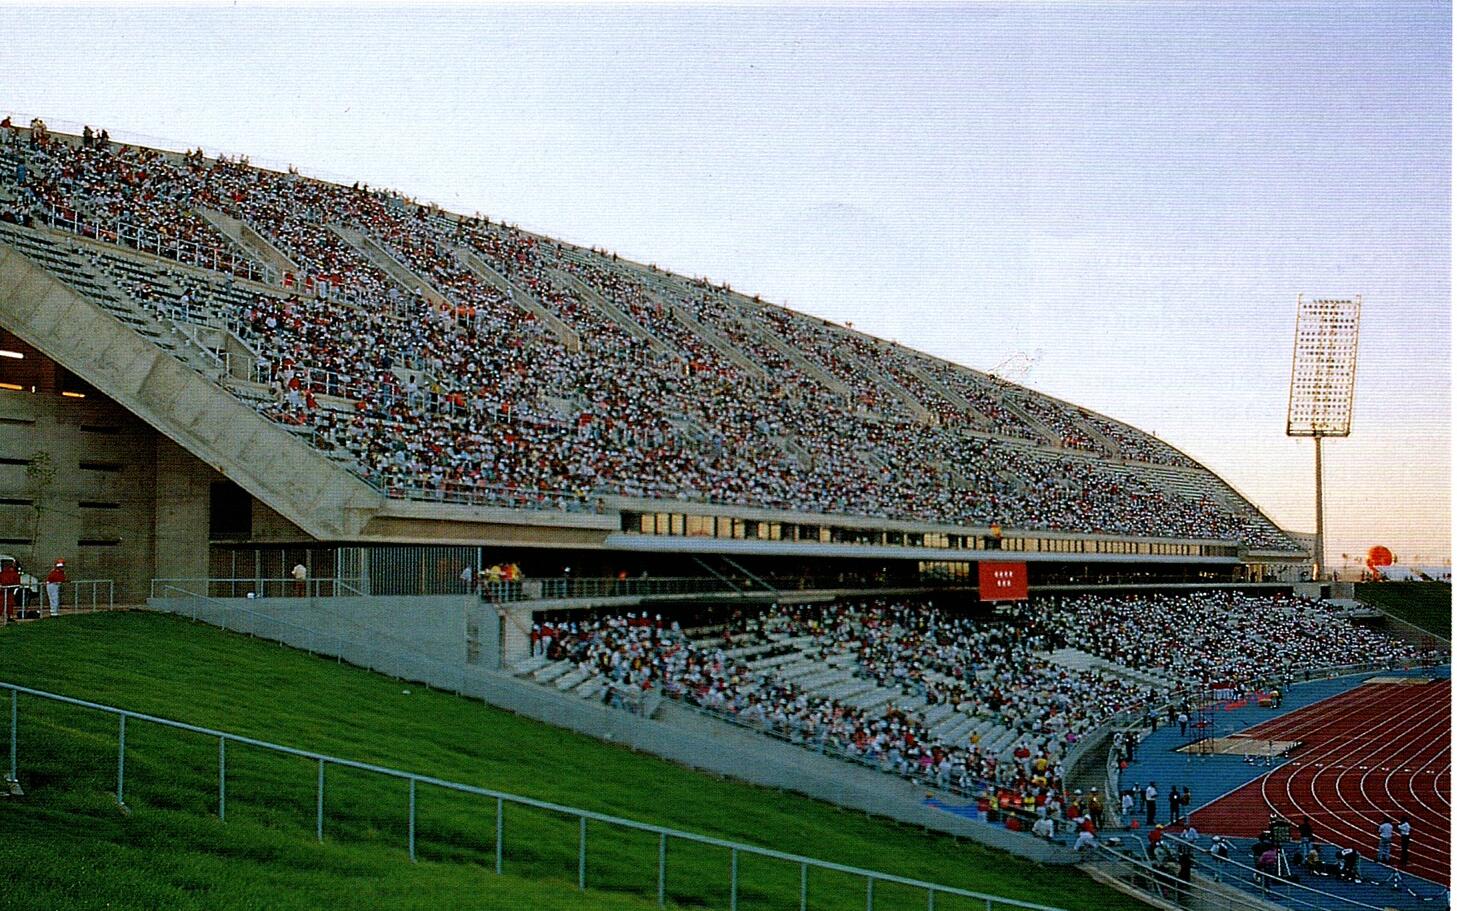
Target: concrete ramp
{"points": [[280, 470]]}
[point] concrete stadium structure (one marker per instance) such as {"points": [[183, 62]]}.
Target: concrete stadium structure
{"points": [[135, 448]]}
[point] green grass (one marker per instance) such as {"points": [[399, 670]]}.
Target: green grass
{"points": [[1424, 604], [67, 846]]}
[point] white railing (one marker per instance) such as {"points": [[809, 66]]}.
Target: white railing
{"points": [[144, 240], [82, 595]]}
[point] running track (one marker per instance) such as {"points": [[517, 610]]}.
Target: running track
{"points": [[1376, 750]]}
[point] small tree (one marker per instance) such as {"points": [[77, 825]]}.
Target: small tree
{"points": [[41, 472]]}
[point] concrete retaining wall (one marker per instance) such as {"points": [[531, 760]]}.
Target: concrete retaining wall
{"points": [[370, 632]]}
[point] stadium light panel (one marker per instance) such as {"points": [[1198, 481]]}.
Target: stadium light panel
{"points": [[1323, 367], [1323, 386]]}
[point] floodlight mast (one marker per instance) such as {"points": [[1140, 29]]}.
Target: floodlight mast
{"points": [[1323, 386]]}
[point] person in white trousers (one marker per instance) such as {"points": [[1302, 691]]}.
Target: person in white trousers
{"points": [[54, 580]]}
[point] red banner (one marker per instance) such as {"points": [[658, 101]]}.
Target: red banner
{"points": [[1002, 581]]}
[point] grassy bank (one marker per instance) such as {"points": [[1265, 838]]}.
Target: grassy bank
{"points": [[1424, 604], [78, 851]]}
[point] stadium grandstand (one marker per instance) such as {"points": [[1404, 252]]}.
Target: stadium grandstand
{"points": [[312, 410]]}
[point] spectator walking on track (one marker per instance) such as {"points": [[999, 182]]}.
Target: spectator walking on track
{"points": [[1383, 842], [1173, 805], [1151, 801], [1404, 830], [54, 580]]}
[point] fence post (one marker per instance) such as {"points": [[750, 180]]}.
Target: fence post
{"points": [[14, 723], [733, 879], [582, 854], [120, 759], [662, 868], [803, 886], [412, 820], [319, 806], [869, 893], [222, 778], [500, 830], [930, 900]]}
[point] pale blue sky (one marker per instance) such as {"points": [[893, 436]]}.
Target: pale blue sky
{"points": [[1136, 191]]}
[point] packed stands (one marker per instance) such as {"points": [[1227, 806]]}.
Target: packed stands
{"points": [[972, 705], [953, 703], [1209, 638], [440, 356]]}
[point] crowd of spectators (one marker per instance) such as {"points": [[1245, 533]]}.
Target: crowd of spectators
{"points": [[1217, 639], [991, 669], [453, 383], [992, 666]]}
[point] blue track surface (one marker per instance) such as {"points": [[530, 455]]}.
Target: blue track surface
{"points": [[1212, 777]]}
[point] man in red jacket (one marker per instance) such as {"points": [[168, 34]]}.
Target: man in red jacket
{"points": [[54, 581], [9, 589]]}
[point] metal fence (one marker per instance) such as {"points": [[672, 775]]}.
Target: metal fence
{"points": [[413, 781], [255, 587], [1164, 885], [1285, 889], [81, 595], [565, 587]]}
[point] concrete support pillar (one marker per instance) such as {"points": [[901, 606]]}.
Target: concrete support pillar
{"points": [[516, 635], [183, 495]]}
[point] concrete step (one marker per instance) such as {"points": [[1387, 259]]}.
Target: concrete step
{"points": [[572, 680], [529, 665], [551, 671]]}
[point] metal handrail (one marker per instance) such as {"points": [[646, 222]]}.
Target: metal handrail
{"points": [[501, 797], [153, 242], [1159, 881], [257, 586], [1256, 875], [24, 592]]}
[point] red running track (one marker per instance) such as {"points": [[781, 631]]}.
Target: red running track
{"points": [[1375, 751]]}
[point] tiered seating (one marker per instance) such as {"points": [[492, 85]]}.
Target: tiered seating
{"points": [[1200, 640], [457, 386], [955, 703], [969, 705]]}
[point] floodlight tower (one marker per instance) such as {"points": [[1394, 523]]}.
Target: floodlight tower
{"points": [[1323, 385]]}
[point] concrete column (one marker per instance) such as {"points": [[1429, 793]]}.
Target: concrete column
{"points": [[183, 495], [516, 637]]}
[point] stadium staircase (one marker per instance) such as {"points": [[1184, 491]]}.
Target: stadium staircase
{"points": [[881, 377], [767, 335], [520, 297], [711, 336], [375, 253], [251, 241], [610, 311]]}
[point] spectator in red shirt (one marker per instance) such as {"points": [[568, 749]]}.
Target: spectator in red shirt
{"points": [[9, 589], [54, 580]]}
